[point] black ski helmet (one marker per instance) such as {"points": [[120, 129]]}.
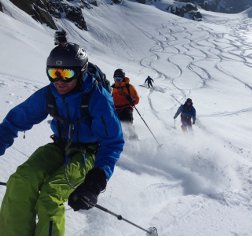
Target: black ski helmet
{"points": [[119, 73], [189, 100], [69, 56]]}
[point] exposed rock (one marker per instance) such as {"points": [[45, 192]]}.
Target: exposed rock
{"points": [[93, 2], [73, 13], [185, 9], [226, 6], [37, 9], [117, 1], [141, 1], [42, 16], [44, 11], [86, 4]]}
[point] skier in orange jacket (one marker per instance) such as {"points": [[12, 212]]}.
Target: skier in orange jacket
{"points": [[125, 96]]}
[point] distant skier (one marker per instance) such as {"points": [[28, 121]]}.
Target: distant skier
{"points": [[149, 81], [125, 98], [188, 114]]}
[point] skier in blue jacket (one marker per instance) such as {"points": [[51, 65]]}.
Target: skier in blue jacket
{"points": [[188, 114], [77, 164]]}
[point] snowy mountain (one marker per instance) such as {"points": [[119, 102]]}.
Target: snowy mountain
{"points": [[196, 184], [49, 12]]}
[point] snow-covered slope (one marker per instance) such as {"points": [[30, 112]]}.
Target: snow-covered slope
{"points": [[196, 184]]}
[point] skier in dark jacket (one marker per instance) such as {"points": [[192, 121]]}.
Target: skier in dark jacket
{"points": [[188, 114], [149, 81], [79, 162]]}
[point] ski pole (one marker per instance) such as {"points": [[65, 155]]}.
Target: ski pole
{"points": [[174, 124], [148, 127], [152, 231]]}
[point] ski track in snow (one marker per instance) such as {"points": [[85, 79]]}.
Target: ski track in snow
{"points": [[213, 41]]}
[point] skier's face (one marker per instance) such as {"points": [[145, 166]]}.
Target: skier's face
{"points": [[64, 88], [118, 79]]}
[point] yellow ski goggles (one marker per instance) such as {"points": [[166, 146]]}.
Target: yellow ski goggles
{"points": [[63, 74]]}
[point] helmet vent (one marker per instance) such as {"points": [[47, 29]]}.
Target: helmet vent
{"points": [[59, 63]]}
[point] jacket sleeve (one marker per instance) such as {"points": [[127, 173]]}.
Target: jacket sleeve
{"points": [[22, 117], [178, 112], [134, 95], [194, 115], [107, 127]]}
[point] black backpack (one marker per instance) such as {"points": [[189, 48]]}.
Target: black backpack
{"points": [[99, 76]]}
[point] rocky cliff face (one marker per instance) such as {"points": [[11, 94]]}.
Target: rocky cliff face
{"points": [[45, 11], [58, 9]]}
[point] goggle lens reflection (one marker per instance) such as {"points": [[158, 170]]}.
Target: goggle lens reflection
{"points": [[61, 74], [119, 79]]}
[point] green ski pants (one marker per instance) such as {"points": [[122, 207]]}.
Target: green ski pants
{"points": [[33, 204]]}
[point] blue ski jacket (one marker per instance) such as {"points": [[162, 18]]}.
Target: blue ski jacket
{"points": [[186, 112], [104, 128]]}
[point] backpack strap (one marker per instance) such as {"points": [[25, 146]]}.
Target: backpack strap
{"points": [[84, 109], [128, 88], [96, 72], [52, 110], [51, 106]]}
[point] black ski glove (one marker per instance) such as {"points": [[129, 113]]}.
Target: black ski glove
{"points": [[86, 194]]}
